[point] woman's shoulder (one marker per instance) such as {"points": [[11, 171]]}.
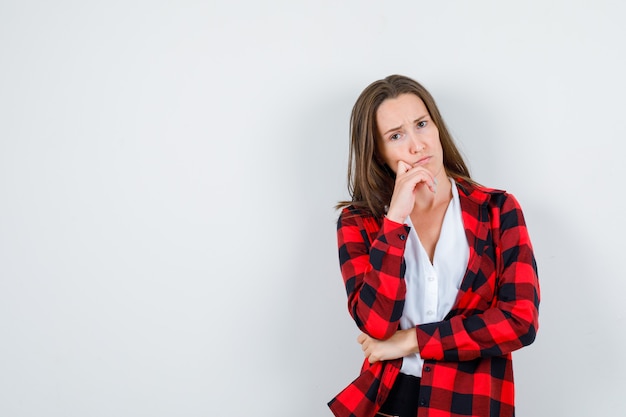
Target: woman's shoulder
{"points": [[473, 188], [358, 216], [351, 210], [498, 200]]}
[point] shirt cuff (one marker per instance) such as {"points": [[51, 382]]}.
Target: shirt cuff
{"points": [[395, 233]]}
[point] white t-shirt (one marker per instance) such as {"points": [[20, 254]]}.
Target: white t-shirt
{"points": [[431, 288]]}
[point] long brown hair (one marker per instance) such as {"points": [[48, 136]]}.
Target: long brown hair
{"points": [[370, 180]]}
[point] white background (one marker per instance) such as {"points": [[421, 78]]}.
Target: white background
{"points": [[168, 171]]}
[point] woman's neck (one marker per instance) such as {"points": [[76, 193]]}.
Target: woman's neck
{"points": [[426, 200]]}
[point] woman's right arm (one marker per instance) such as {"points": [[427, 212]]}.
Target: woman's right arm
{"points": [[373, 272]]}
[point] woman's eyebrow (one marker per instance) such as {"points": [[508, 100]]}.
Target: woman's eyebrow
{"points": [[419, 119], [392, 130]]}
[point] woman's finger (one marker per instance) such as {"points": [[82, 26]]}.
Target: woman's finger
{"points": [[419, 175], [403, 167]]}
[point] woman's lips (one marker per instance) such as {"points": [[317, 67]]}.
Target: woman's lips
{"points": [[422, 161]]}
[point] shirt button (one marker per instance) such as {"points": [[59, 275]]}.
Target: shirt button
{"points": [[429, 312], [431, 278], [402, 237], [427, 369], [422, 402]]}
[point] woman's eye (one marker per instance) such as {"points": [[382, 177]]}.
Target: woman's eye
{"points": [[395, 136], [422, 123]]}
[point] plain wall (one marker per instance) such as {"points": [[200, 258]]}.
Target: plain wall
{"points": [[168, 171]]}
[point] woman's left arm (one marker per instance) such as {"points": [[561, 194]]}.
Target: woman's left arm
{"points": [[511, 322]]}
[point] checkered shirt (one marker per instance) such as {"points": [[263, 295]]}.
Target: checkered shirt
{"points": [[467, 357]]}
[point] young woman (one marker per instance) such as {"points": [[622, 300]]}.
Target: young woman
{"points": [[439, 270]]}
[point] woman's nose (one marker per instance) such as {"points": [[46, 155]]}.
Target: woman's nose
{"points": [[416, 145]]}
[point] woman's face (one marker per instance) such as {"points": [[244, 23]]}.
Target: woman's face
{"points": [[407, 133]]}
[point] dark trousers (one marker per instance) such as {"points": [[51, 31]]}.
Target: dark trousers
{"points": [[403, 398]]}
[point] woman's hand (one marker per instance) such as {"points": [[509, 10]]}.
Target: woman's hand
{"points": [[408, 181], [401, 344]]}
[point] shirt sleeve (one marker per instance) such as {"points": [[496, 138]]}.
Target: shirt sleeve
{"points": [[373, 272], [509, 321]]}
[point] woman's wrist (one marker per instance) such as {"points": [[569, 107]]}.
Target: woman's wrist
{"points": [[410, 341], [395, 218]]}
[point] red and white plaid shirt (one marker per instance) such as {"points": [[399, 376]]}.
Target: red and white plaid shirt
{"points": [[467, 357]]}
